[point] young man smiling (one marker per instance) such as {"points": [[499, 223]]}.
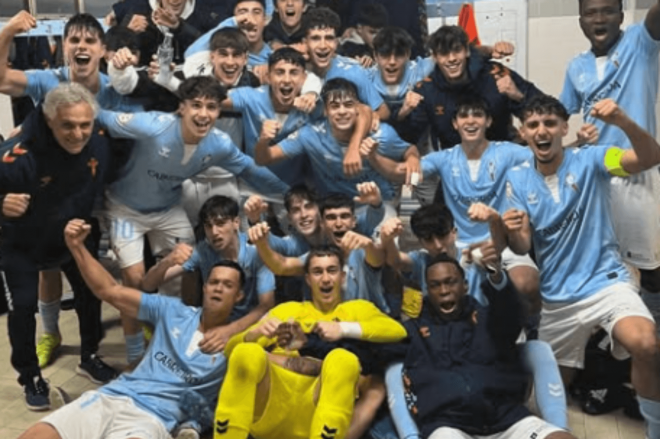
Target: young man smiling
{"points": [[475, 171], [170, 149], [83, 50], [326, 144], [561, 204]]}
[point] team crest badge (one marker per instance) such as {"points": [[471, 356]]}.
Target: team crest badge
{"points": [[164, 152], [532, 198], [93, 164], [124, 118]]}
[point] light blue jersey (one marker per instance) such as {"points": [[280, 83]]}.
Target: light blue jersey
{"points": [[173, 362], [350, 69], [461, 190], [256, 106], [258, 278], [326, 155], [474, 276], [576, 250], [362, 280], [630, 79], [414, 72], [200, 51], [40, 82], [151, 179]]}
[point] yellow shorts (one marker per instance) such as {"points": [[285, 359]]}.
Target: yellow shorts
{"points": [[290, 407]]}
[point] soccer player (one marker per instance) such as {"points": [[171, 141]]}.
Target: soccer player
{"points": [[458, 347], [475, 171], [364, 258], [219, 217], [267, 401], [146, 403], [169, 149], [623, 65], [561, 203], [273, 106], [83, 50], [325, 143], [433, 225]]}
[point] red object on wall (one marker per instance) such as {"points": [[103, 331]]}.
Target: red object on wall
{"points": [[468, 22]]}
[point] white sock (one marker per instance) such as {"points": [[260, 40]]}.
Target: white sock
{"points": [[50, 316]]}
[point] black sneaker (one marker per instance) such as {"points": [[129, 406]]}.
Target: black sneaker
{"points": [[96, 370], [601, 401], [37, 393]]}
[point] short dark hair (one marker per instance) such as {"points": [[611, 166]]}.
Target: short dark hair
{"points": [[324, 250], [321, 18], [448, 39], [544, 104], [237, 2], [432, 220], [84, 22], [338, 87], [392, 40], [299, 191], [230, 38], [469, 102], [287, 54], [373, 14], [119, 36], [231, 264], [337, 201], [581, 2], [444, 258], [201, 87], [218, 205]]}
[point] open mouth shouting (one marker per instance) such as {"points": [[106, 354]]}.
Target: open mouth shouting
{"points": [[448, 306], [323, 57], [286, 92], [338, 235], [82, 59], [251, 32]]}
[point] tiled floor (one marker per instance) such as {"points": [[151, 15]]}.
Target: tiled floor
{"points": [[15, 418]]}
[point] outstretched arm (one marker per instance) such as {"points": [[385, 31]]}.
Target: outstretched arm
{"points": [[97, 278], [13, 82], [280, 265]]}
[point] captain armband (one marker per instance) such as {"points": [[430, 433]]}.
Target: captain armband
{"points": [[612, 160]]}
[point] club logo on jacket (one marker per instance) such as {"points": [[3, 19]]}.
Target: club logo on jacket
{"points": [[93, 164]]}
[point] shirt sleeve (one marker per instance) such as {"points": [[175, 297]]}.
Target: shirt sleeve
{"points": [[390, 144], [153, 307], [40, 82], [569, 96], [376, 326], [294, 144], [132, 125], [265, 280], [431, 164]]}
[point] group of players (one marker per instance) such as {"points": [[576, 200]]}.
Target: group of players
{"points": [[289, 160]]}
